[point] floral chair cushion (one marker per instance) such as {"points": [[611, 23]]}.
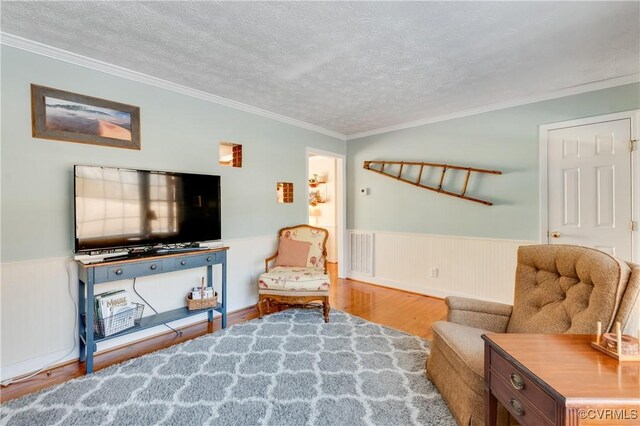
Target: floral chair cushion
{"points": [[316, 237], [298, 279]]}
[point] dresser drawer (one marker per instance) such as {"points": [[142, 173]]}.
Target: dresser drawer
{"points": [[521, 386], [520, 408], [121, 272]]}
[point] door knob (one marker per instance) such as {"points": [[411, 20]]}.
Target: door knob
{"points": [[555, 234]]}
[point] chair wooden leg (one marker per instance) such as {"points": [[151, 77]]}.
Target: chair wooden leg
{"points": [[268, 303], [259, 306], [327, 308]]}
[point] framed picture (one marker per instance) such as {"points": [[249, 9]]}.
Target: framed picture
{"points": [[66, 116]]}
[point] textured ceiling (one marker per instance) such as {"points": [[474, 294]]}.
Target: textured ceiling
{"points": [[349, 67]]}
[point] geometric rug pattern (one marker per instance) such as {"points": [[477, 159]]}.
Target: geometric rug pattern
{"points": [[288, 368]]}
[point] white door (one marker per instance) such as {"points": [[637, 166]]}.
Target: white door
{"points": [[589, 186]]}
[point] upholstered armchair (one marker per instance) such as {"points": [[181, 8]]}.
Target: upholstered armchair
{"points": [[299, 275], [558, 289]]}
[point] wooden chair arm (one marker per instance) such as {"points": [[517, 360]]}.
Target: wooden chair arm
{"points": [[267, 260], [324, 254]]}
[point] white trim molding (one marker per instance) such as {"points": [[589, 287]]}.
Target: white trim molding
{"points": [[544, 129], [97, 65], [575, 90]]}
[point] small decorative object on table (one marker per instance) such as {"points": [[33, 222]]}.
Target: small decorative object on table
{"points": [[202, 297], [617, 345]]}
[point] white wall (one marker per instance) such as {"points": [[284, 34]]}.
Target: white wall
{"points": [[179, 133]]}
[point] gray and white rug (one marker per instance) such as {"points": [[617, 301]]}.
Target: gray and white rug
{"points": [[289, 368]]}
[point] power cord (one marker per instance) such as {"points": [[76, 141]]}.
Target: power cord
{"points": [[178, 332], [75, 333]]}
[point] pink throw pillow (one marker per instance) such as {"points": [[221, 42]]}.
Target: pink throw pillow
{"points": [[292, 252]]}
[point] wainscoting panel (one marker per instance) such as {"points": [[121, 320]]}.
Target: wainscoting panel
{"points": [[442, 266], [38, 314]]}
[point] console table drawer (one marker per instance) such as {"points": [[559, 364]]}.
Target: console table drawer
{"points": [[195, 261], [213, 258], [122, 272]]}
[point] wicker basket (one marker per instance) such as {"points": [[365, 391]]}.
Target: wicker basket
{"points": [[194, 304]]}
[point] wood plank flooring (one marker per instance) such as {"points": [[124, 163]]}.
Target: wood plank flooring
{"points": [[408, 312]]}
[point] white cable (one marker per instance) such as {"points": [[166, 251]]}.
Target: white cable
{"points": [[75, 333]]}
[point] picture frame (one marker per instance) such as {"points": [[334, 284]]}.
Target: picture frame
{"points": [[72, 117]]}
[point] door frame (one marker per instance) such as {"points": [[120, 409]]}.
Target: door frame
{"points": [[341, 214], [634, 116]]}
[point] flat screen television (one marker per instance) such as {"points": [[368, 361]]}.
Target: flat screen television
{"points": [[123, 208]]}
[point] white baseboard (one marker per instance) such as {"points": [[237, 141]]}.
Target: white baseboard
{"points": [[412, 288]]}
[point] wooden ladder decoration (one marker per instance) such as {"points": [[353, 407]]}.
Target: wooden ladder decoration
{"points": [[398, 176]]}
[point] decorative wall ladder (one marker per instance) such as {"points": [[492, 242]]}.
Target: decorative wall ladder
{"points": [[379, 166]]}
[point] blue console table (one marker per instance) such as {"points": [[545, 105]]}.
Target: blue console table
{"points": [[90, 275]]}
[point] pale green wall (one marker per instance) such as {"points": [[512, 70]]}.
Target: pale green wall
{"points": [[506, 140], [179, 133]]}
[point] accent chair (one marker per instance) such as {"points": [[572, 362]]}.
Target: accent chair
{"points": [[299, 275], [558, 289]]}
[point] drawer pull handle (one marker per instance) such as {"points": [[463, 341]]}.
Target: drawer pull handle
{"points": [[183, 262], [516, 381], [209, 259], [517, 406], [154, 267], [119, 271]]}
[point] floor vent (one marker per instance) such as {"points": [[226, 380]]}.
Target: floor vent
{"points": [[361, 249]]}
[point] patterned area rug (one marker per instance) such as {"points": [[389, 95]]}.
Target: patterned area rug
{"points": [[289, 368]]}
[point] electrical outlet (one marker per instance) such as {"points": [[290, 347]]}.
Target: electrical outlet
{"points": [[434, 272]]}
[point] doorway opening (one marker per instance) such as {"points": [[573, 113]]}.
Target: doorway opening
{"points": [[325, 173]]}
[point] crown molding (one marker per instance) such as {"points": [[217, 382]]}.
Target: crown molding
{"points": [[94, 64], [575, 90]]}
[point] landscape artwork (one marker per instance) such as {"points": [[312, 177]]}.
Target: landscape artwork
{"points": [[73, 117]]}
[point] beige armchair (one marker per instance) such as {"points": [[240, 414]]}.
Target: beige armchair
{"points": [[300, 272], [558, 289]]}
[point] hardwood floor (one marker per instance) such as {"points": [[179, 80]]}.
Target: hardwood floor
{"points": [[409, 312]]}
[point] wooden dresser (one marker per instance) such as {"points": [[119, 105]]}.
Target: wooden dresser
{"points": [[547, 379]]}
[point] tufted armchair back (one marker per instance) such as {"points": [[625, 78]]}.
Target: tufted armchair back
{"points": [[316, 236], [568, 289]]}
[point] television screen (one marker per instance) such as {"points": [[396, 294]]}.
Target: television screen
{"points": [[116, 208]]}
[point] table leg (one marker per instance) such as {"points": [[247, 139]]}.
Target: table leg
{"points": [[82, 309], [89, 328], [224, 291], [490, 407], [210, 284]]}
